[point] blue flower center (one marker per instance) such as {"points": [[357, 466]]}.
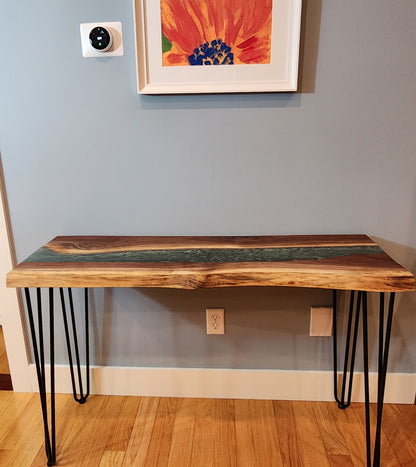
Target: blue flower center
{"points": [[215, 53]]}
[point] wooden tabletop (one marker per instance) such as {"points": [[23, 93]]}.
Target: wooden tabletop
{"points": [[348, 262]]}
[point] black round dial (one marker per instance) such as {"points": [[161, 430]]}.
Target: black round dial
{"points": [[100, 38]]}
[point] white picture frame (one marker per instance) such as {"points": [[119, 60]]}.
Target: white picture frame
{"points": [[280, 75]]}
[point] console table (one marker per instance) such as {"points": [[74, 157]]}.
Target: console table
{"points": [[336, 262]]}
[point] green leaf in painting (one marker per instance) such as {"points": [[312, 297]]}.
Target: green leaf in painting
{"points": [[166, 44]]}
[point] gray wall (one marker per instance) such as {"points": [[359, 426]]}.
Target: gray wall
{"points": [[84, 154]]}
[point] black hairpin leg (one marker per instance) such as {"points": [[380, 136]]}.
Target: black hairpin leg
{"points": [[350, 347], [383, 352], [38, 350], [82, 398]]}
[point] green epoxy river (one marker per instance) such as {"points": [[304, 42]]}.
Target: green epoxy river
{"points": [[204, 255]]}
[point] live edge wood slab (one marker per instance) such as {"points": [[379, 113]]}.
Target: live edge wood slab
{"points": [[345, 262]]}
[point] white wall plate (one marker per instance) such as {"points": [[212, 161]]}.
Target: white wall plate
{"points": [[116, 30]]}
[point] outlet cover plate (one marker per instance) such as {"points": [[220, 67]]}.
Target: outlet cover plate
{"points": [[215, 321], [321, 321]]}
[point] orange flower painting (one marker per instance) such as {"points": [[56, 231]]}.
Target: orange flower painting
{"points": [[216, 32]]}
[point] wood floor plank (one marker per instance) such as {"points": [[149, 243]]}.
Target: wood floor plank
{"points": [[352, 422], [338, 460], [77, 431], [225, 438], [265, 433], [311, 446], [112, 459], [28, 432], [406, 415], [203, 441], [256, 430], [288, 436], [6, 397], [244, 438], [327, 415], [79, 427], [12, 413], [214, 433], [138, 446], [24, 429], [160, 442], [32, 435], [107, 423], [353, 427], [6, 457], [201, 433], [387, 452], [121, 421], [399, 423], [40, 458], [183, 432]]}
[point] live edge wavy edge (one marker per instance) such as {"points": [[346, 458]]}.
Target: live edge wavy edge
{"points": [[344, 262]]}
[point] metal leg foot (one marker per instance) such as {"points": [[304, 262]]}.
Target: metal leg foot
{"points": [[82, 398], [350, 348], [38, 350]]}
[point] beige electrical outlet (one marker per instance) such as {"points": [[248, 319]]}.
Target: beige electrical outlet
{"points": [[215, 321]]}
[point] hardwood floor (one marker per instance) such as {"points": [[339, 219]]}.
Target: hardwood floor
{"points": [[4, 366], [5, 379], [151, 431]]}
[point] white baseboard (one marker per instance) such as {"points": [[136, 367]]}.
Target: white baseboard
{"points": [[232, 384]]}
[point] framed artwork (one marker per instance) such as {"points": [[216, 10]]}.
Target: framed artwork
{"points": [[217, 46]]}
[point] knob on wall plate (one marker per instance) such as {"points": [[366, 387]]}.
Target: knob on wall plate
{"points": [[103, 39]]}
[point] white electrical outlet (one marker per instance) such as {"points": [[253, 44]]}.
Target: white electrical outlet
{"points": [[215, 321], [321, 321]]}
